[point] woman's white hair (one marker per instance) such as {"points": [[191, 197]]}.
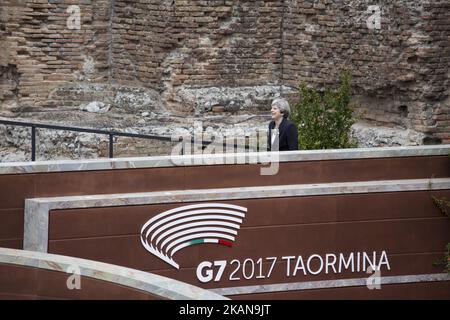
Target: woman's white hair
{"points": [[283, 105]]}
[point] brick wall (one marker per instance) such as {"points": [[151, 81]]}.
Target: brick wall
{"points": [[43, 54], [232, 55]]}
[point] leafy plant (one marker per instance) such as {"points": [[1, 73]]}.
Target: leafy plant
{"points": [[324, 119]]}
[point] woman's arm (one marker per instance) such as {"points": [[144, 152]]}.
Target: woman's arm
{"points": [[269, 135], [292, 137]]}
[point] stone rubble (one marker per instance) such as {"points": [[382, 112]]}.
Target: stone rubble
{"points": [[56, 145]]}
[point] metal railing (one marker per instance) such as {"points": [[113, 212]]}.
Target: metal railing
{"points": [[110, 134]]}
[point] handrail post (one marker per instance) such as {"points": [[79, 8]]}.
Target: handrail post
{"points": [[111, 145], [33, 143]]}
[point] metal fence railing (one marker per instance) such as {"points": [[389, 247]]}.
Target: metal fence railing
{"points": [[109, 133]]}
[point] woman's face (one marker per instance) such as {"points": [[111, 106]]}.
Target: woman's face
{"points": [[276, 113]]}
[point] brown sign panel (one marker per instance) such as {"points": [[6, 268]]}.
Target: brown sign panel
{"points": [[280, 240], [15, 188]]}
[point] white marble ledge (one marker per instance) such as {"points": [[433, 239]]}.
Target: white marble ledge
{"points": [[148, 282], [37, 209], [217, 159]]}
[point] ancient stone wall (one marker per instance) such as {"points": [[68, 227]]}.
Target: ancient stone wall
{"points": [[400, 69], [41, 55], [198, 56], [177, 47]]}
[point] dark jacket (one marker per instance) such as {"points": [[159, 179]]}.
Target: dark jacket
{"points": [[288, 136]]}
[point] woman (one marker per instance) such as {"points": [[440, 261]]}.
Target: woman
{"points": [[283, 134]]}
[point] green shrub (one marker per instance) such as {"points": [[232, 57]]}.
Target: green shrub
{"points": [[324, 119]]}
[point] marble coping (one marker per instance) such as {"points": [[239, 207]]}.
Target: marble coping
{"points": [[148, 282], [328, 284], [37, 210], [217, 159]]}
